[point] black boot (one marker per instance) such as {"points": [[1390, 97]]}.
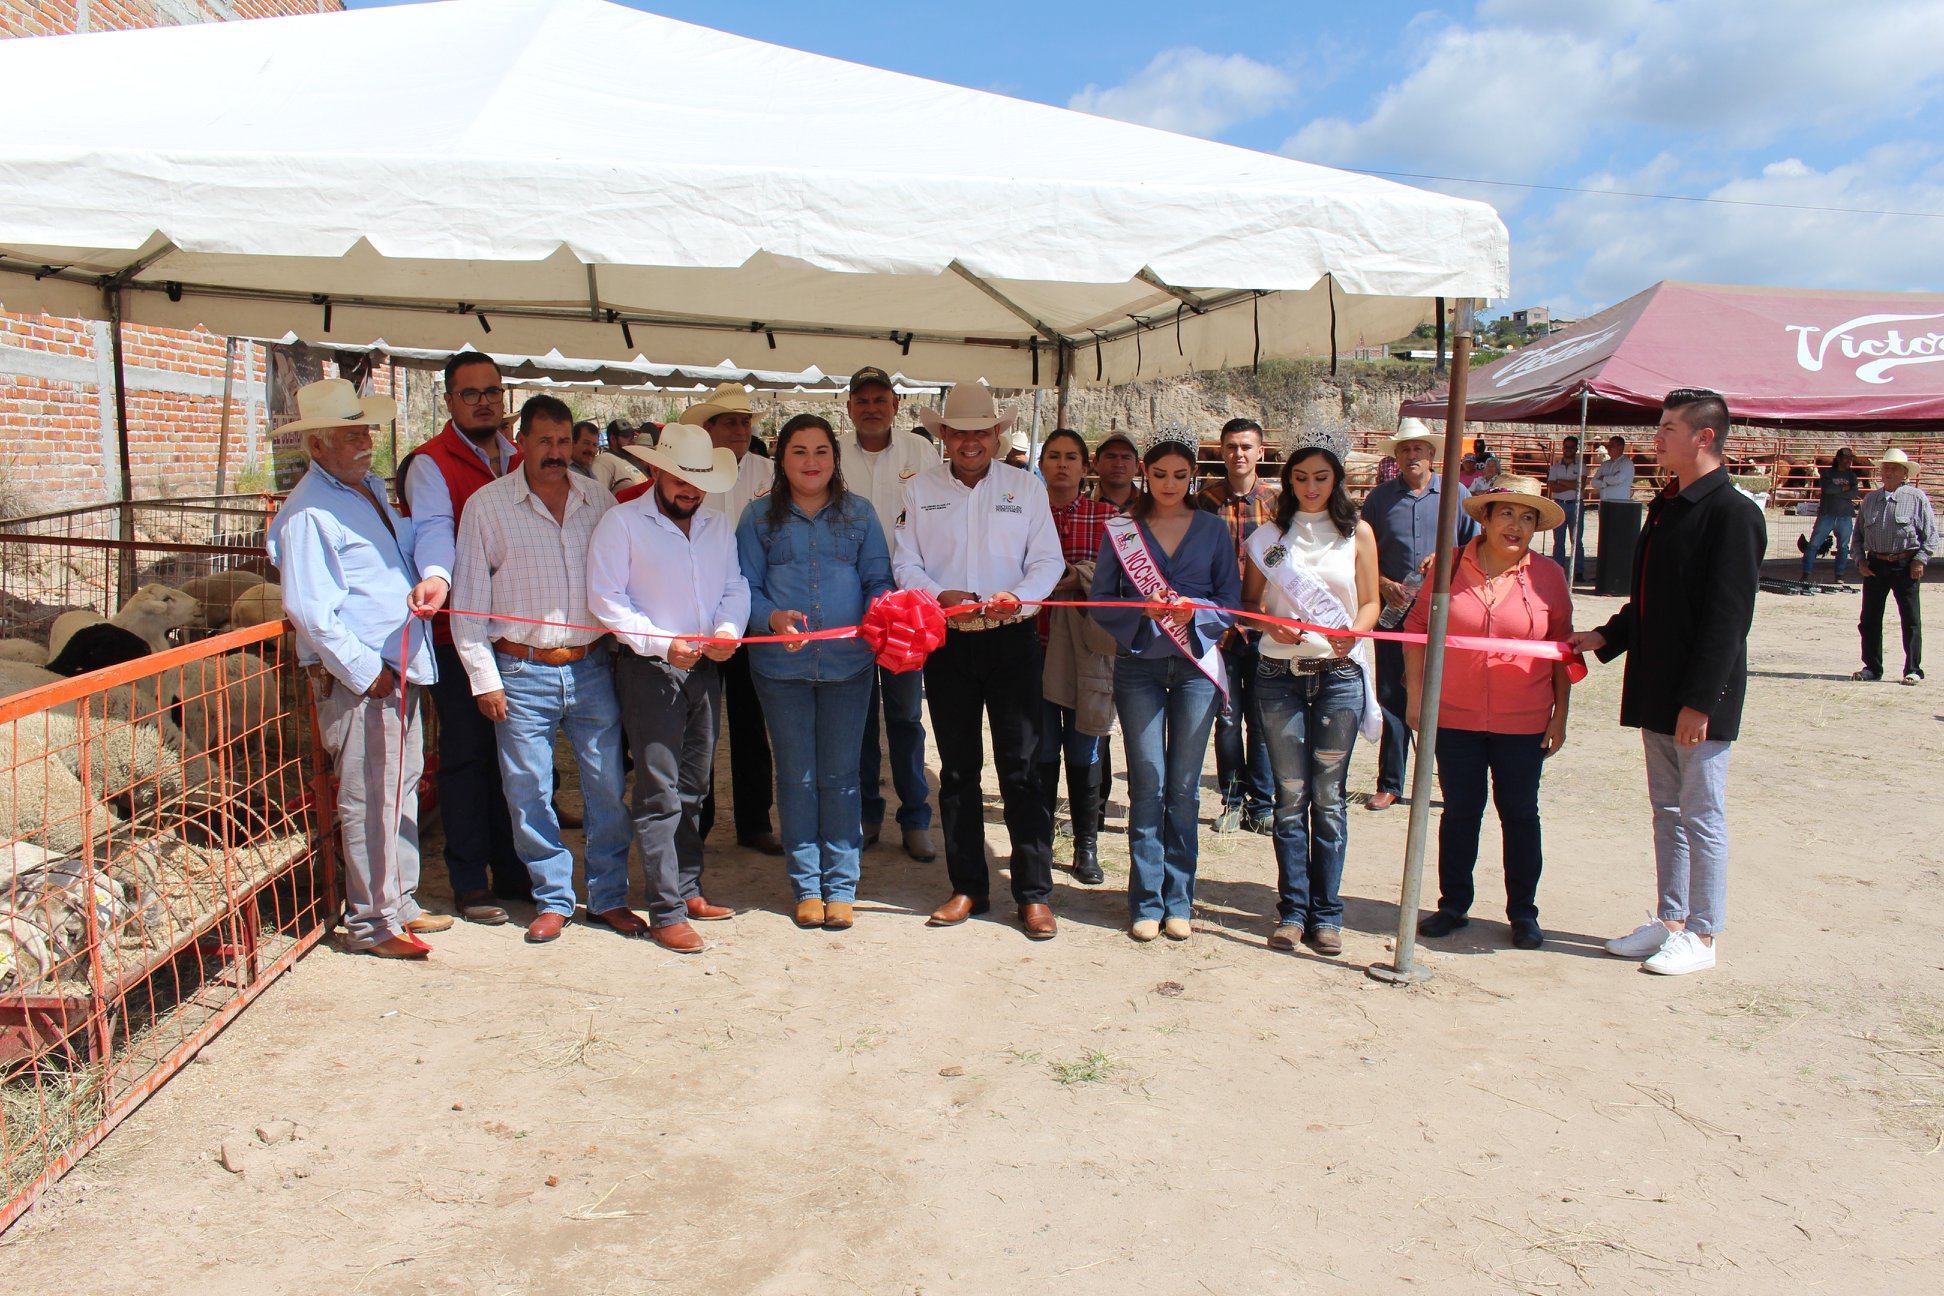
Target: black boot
{"points": [[1083, 797]]}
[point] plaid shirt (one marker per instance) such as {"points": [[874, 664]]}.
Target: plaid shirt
{"points": [[1082, 525], [1242, 513]]}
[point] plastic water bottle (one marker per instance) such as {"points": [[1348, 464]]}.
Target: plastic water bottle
{"points": [[1393, 617]]}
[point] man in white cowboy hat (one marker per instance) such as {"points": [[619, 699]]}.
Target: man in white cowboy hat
{"points": [[351, 587], [1897, 538], [523, 556], [662, 573], [1404, 513], [976, 531], [726, 416], [434, 483], [1019, 450], [878, 460]]}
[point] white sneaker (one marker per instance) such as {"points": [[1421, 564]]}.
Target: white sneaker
{"points": [[1641, 942], [1684, 953]]}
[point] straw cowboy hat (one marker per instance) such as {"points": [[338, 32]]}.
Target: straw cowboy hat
{"points": [[728, 398], [970, 408], [1526, 492], [334, 402], [687, 452], [1895, 455], [1411, 429]]}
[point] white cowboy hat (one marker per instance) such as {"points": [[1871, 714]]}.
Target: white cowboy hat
{"points": [[728, 398], [1895, 455], [1018, 441], [334, 402], [1526, 492], [1411, 429], [970, 408], [688, 453]]}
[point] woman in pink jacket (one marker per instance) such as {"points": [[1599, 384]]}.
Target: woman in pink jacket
{"points": [[1499, 715]]}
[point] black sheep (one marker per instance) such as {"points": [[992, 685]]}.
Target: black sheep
{"points": [[94, 647]]}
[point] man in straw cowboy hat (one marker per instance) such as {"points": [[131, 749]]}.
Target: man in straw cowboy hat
{"points": [[726, 416], [976, 531], [351, 586], [661, 573], [1897, 538], [1404, 513], [1684, 629]]}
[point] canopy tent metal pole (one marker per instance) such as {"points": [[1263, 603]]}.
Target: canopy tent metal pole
{"points": [[125, 576], [1578, 546], [1404, 968], [222, 436]]}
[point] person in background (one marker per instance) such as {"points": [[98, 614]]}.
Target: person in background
{"points": [[351, 587], [1403, 514], [725, 414], [1077, 686], [1116, 462], [1019, 450], [1499, 717], [587, 448], [1563, 487], [1614, 479], [1684, 629], [1837, 490], [1898, 538], [1243, 501], [617, 468], [662, 575], [976, 532], [1316, 693], [814, 556], [1468, 471], [879, 459], [1160, 559], [434, 483], [523, 557]]}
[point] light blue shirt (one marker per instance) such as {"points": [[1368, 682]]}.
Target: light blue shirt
{"points": [[424, 490], [346, 576], [828, 567]]}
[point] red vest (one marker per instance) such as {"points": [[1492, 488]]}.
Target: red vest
{"points": [[464, 473]]}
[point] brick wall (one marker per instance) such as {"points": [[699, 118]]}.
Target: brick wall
{"points": [[57, 446]]}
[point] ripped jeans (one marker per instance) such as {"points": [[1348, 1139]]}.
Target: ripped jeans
{"points": [[1311, 724]]}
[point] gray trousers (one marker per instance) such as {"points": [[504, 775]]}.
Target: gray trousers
{"points": [[671, 717], [367, 745], [1688, 787]]}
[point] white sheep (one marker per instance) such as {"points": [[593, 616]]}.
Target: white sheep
{"points": [[63, 630], [218, 593], [22, 650], [258, 605]]}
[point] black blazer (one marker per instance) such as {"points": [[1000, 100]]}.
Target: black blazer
{"points": [[1685, 626]]}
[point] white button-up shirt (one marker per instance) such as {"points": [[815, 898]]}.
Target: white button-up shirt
{"points": [[1614, 479], [881, 476], [993, 537], [615, 470], [754, 477], [516, 561], [650, 583]]}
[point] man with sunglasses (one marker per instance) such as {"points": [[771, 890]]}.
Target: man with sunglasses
{"points": [[434, 483]]}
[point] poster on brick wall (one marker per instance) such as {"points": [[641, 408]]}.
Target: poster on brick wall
{"points": [[289, 368]]}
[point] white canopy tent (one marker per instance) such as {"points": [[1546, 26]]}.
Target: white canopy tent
{"points": [[556, 370], [604, 182]]}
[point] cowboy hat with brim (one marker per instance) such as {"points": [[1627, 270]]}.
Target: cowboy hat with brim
{"points": [[334, 402], [729, 398], [1412, 429], [1526, 492], [970, 408], [1895, 455], [688, 453]]}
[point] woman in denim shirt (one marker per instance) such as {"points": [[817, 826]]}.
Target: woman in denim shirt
{"points": [[814, 556]]}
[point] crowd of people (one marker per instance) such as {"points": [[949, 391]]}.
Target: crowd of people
{"points": [[614, 603]]}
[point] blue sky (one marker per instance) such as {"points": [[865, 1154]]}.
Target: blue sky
{"points": [[1783, 108]]}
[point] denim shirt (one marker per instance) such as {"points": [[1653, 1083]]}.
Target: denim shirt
{"points": [[1201, 569], [828, 567]]}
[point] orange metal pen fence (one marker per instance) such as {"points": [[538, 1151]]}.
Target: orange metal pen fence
{"points": [[161, 866]]}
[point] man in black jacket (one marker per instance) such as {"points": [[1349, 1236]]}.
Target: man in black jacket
{"points": [[1685, 632]]}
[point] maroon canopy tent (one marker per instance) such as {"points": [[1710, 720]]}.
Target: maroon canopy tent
{"points": [[1784, 357]]}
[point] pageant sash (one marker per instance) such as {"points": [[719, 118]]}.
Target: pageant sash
{"points": [[1317, 603], [1137, 560]]}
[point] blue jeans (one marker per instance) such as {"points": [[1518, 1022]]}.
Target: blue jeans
{"points": [[1241, 757], [1060, 736], [1566, 533], [1167, 707], [814, 728], [902, 695], [1514, 762], [1840, 527], [540, 700], [1311, 724]]}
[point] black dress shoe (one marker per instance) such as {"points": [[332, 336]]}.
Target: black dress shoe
{"points": [[1441, 923], [764, 843], [1086, 862], [1527, 935]]}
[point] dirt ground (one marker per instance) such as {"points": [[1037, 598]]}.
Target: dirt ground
{"points": [[902, 1110]]}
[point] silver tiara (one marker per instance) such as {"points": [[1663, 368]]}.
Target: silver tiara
{"points": [[1173, 432], [1317, 436]]}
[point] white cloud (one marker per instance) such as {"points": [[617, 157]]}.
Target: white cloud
{"points": [[1191, 91]]}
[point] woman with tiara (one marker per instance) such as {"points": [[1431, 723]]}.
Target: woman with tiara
{"points": [[1172, 567]]}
